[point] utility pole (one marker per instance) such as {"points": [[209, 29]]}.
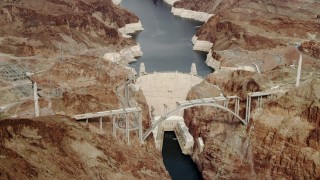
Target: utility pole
{"points": [[61, 53], [35, 97], [299, 71]]}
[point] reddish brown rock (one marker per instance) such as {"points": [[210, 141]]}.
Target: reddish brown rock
{"points": [[43, 27], [311, 48], [58, 147], [282, 140], [245, 32]]}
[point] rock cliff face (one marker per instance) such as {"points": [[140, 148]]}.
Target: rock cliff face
{"points": [[47, 29], [262, 28], [65, 41], [58, 147], [63, 45], [286, 135], [282, 139], [312, 48]]}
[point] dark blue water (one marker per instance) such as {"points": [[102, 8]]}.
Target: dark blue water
{"points": [[180, 166], [166, 40]]}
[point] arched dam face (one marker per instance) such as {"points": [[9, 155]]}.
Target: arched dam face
{"points": [[166, 39], [166, 89]]}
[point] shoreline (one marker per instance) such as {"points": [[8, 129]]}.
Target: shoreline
{"points": [[198, 45], [205, 46], [130, 28], [128, 54], [202, 45], [188, 14]]}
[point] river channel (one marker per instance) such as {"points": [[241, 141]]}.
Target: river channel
{"points": [[166, 45], [166, 39]]}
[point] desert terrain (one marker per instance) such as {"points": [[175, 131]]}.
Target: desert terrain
{"points": [[61, 45], [282, 139], [267, 33]]}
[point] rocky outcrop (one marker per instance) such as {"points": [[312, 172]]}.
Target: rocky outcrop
{"points": [[130, 29], [245, 32], [58, 147], [311, 48], [212, 62], [68, 27], [189, 14], [200, 45], [65, 41], [281, 140], [287, 131], [206, 46], [126, 55], [194, 15], [61, 44]]}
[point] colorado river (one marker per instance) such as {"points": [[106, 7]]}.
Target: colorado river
{"points": [[166, 45], [179, 165], [166, 40]]}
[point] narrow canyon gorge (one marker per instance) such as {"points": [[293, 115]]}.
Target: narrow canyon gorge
{"points": [[81, 55]]}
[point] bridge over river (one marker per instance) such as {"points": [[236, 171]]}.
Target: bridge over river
{"points": [[166, 94]]}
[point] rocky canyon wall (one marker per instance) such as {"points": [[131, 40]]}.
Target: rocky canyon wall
{"points": [[281, 141], [77, 52], [245, 32]]}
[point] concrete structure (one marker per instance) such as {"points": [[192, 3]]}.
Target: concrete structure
{"points": [[193, 69], [36, 98], [299, 71], [142, 69], [189, 14], [120, 120], [214, 102], [166, 89], [236, 103], [185, 139], [260, 96], [244, 68], [176, 124], [167, 125]]}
